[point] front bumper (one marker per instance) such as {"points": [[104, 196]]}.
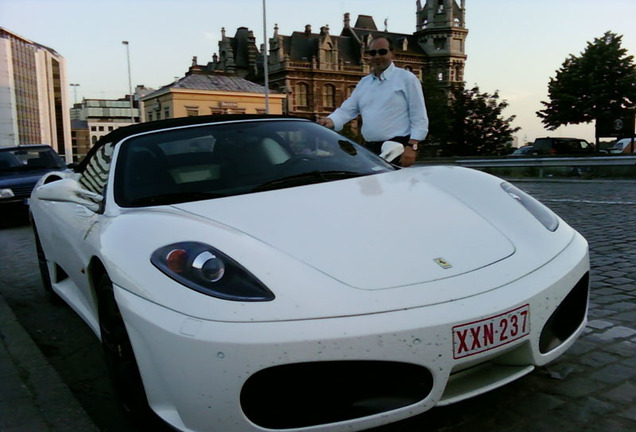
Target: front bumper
{"points": [[246, 376]]}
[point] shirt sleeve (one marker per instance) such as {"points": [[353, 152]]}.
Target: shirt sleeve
{"points": [[349, 109], [418, 116]]}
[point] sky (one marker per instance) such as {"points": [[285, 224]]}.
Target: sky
{"points": [[513, 46]]}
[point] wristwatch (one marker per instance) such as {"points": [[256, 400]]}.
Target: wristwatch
{"points": [[413, 146]]}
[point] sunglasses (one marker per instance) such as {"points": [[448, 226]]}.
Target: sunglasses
{"points": [[381, 51]]}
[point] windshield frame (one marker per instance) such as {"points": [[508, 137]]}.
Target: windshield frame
{"points": [[216, 160]]}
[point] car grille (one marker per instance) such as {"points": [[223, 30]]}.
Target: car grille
{"points": [[24, 191]]}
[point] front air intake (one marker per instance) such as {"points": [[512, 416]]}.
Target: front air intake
{"points": [[310, 394], [567, 318]]}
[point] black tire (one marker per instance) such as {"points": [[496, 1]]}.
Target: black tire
{"points": [[120, 359], [44, 270]]}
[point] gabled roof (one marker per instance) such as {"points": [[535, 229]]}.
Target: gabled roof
{"points": [[211, 81]]}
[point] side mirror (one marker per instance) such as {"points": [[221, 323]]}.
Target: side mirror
{"points": [[68, 190]]}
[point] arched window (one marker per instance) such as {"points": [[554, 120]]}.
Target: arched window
{"points": [[301, 94], [350, 90], [329, 95]]}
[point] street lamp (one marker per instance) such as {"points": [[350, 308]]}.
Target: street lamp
{"points": [[265, 59], [75, 86], [132, 108]]}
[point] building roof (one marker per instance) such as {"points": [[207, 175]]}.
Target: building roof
{"points": [[211, 81]]}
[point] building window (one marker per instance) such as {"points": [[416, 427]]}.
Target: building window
{"points": [[440, 44], [301, 94], [111, 128], [149, 115], [350, 90], [329, 96], [192, 111], [101, 128], [166, 113], [94, 128]]}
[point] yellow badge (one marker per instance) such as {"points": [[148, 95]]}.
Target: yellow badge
{"points": [[443, 263]]}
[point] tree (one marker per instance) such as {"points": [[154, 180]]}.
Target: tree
{"points": [[477, 127], [437, 109], [601, 81]]}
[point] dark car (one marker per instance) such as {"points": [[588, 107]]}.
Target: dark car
{"points": [[20, 169], [563, 146], [525, 151]]}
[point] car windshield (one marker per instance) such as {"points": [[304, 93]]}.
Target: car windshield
{"points": [[234, 158], [29, 159]]}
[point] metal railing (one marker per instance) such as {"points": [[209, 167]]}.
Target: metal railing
{"points": [[537, 162]]}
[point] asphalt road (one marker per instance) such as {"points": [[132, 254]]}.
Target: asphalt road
{"points": [[591, 388]]}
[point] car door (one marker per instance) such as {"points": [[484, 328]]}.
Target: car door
{"points": [[71, 238]]}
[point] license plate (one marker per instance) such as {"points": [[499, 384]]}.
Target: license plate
{"points": [[489, 333]]}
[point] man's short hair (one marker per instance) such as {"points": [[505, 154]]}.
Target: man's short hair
{"points": [[389, 40]]}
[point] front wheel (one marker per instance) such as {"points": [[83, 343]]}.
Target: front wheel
{"points": [[44, 269], [120, 358]]}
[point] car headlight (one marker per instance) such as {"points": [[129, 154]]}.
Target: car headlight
{"points": [[209, 271], [6, 193], [538, 210]]}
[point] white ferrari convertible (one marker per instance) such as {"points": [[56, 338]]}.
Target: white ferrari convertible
{"points": [[251, 273]]}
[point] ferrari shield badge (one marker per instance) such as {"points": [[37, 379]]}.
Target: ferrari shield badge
{"points": [[443, 263]]}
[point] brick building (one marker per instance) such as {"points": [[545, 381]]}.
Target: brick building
{"points": [[317, 71]]}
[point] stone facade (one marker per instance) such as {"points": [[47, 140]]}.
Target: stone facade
{"points": [[318, 71]]}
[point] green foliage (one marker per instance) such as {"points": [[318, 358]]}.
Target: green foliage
{"points": [[600, 81], [478, 127], [437, 109]]}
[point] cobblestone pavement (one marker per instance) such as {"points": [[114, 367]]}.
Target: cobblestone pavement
{"points": [[592, 388]]}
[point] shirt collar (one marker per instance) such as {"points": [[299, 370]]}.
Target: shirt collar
{"points": [[386, 73]]}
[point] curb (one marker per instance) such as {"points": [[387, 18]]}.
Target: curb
{"points": [[34, 398]]}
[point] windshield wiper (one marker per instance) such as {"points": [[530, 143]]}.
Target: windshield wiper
{"points": [[306, 178], [175, 198]]}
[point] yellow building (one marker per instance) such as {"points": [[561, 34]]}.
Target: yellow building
{"points": [[202, 92]]}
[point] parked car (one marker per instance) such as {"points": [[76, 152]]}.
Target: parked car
{"points": [[525, 151], [20, 169], [623, 145], [563, 146], [250, 273]]}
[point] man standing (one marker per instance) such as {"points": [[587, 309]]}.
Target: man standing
{"points": [[391, 104]]}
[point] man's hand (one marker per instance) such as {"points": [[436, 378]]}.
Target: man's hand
{"points": [[326, 122], [408, 157]]}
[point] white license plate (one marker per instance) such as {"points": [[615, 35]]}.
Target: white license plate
{"points": [[483, 335]]}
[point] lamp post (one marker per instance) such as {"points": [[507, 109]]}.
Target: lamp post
{"points": [[75, 86], [132, 108], [265, 60]]}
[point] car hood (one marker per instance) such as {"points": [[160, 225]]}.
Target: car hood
{"points": [[12, 178], [374, 232]]}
